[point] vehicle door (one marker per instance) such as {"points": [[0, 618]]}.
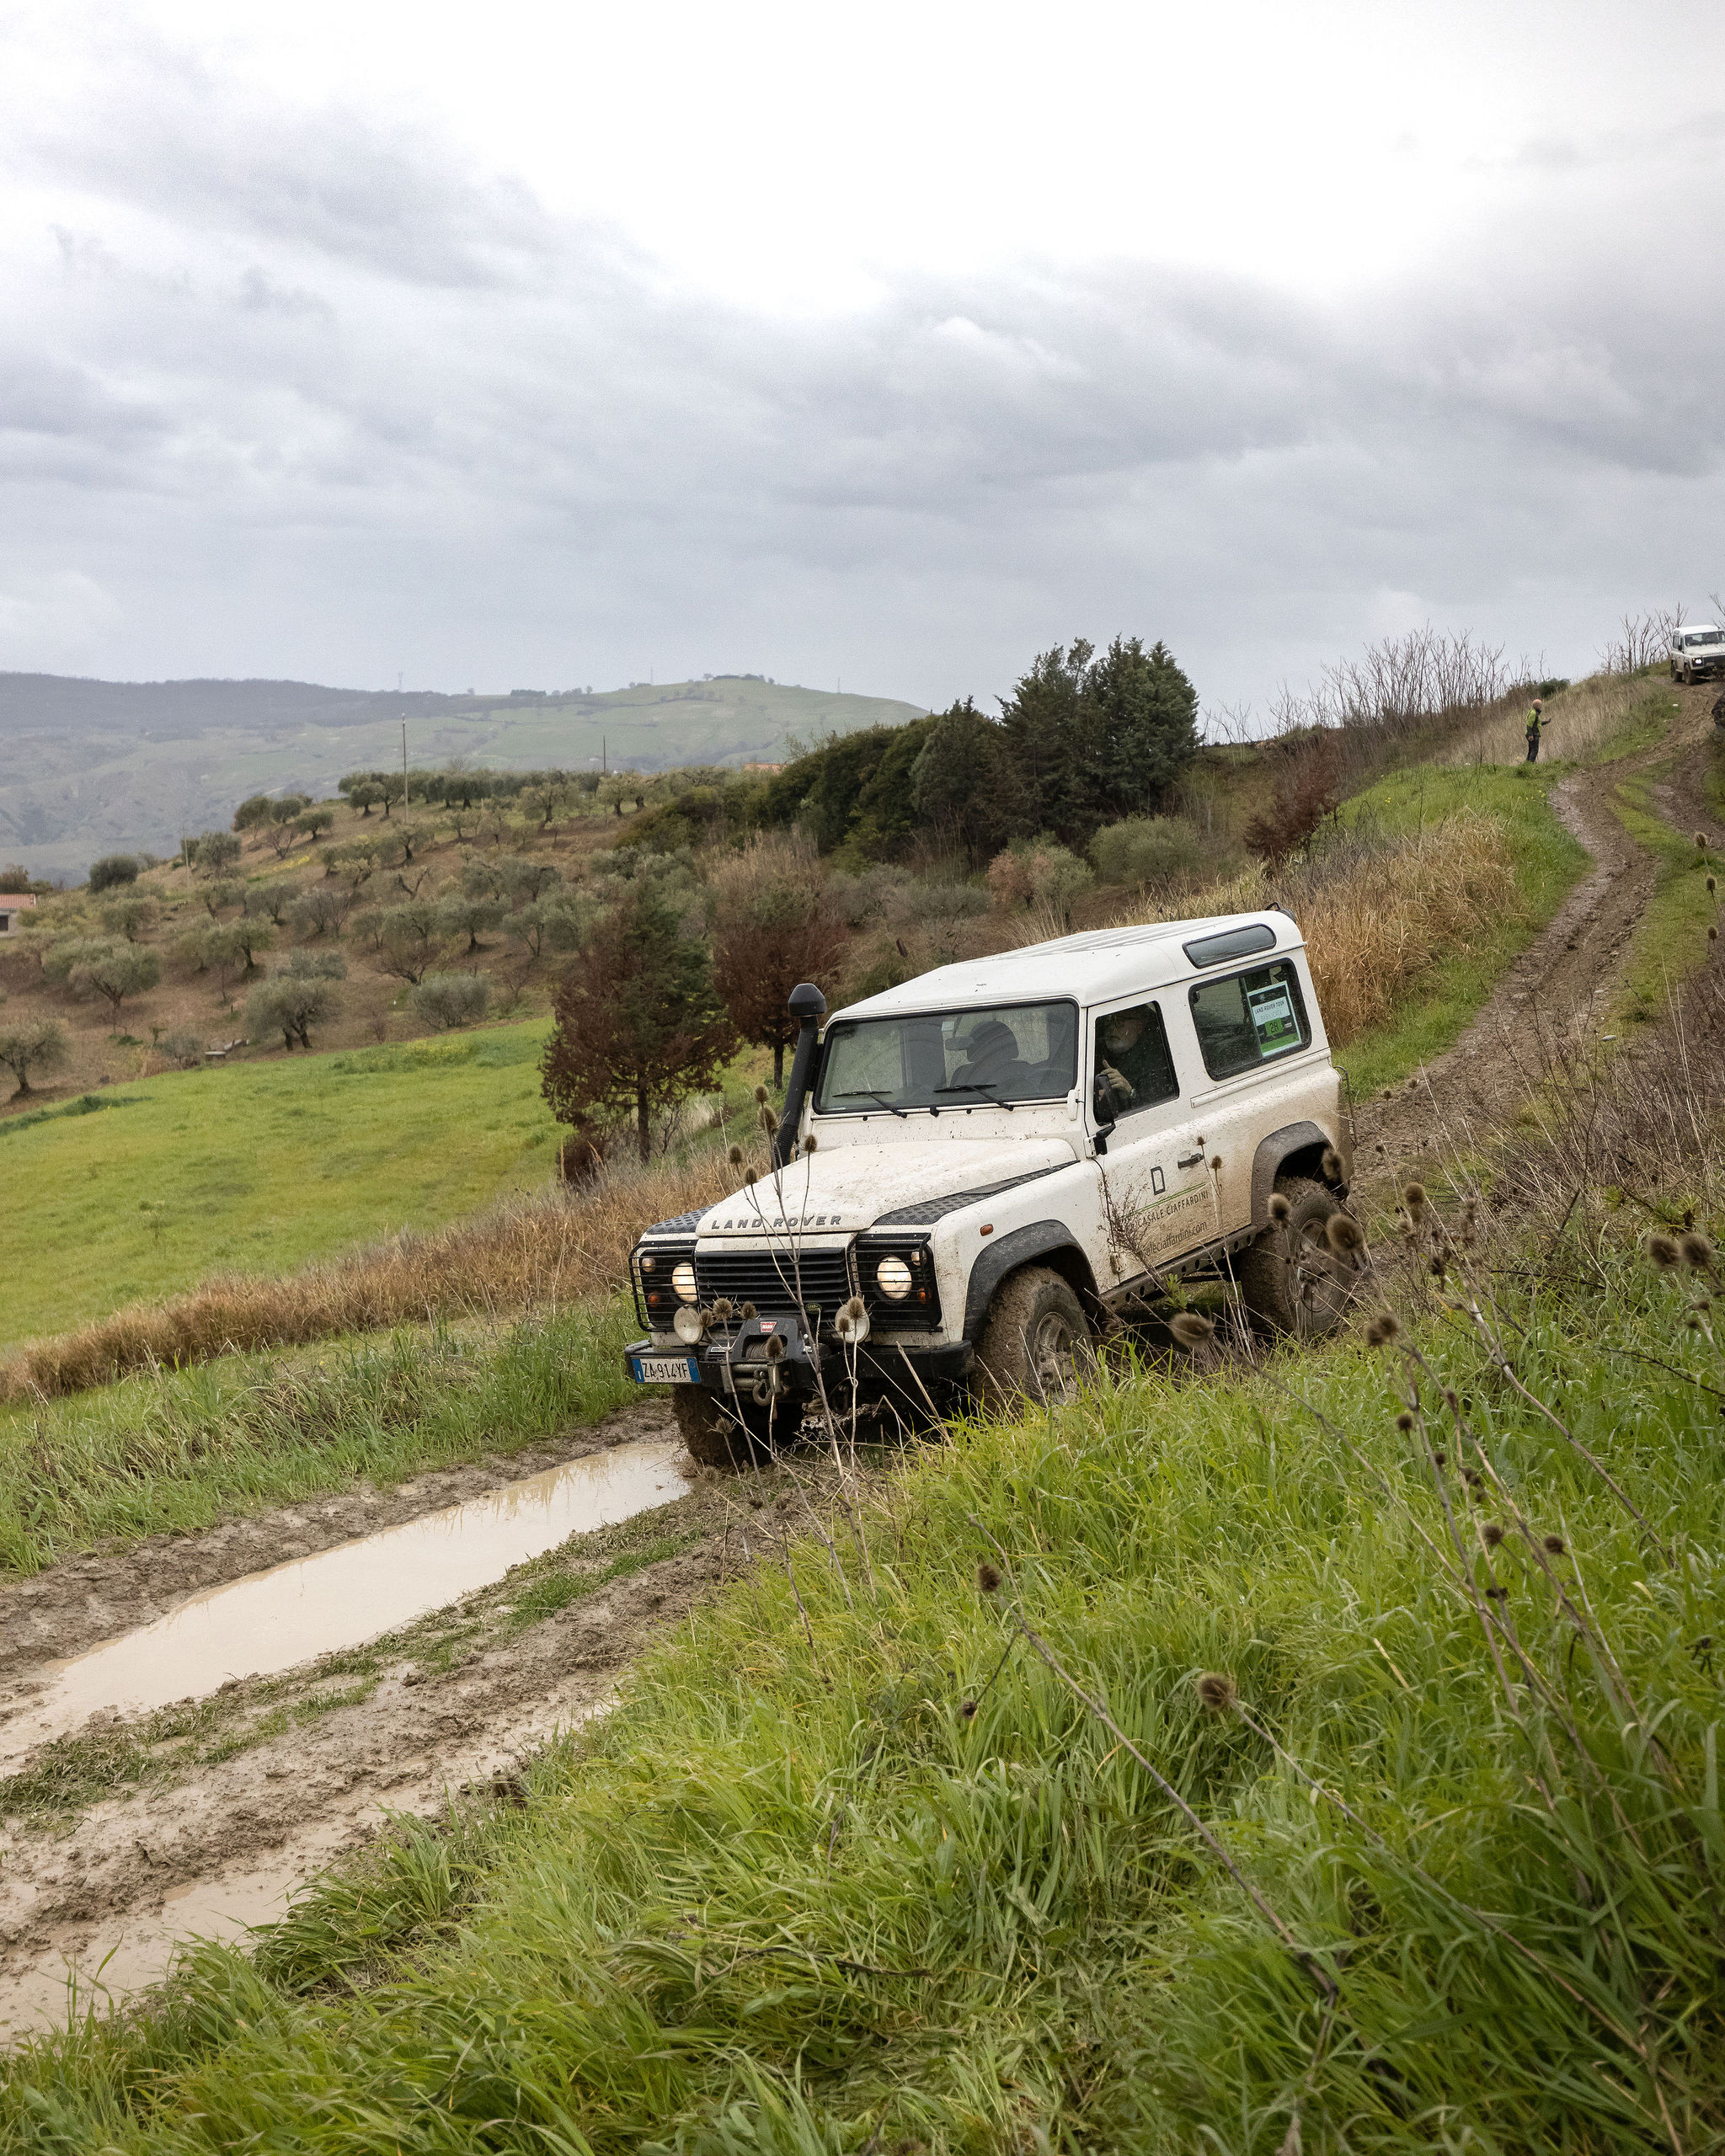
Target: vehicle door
{"points": [[1253, 1035], [1155, 1188]]}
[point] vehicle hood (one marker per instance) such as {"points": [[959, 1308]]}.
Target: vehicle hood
{"points": [[855, 1186]]}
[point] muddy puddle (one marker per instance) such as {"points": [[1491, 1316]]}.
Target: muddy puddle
{"points": [[273, 1620]]}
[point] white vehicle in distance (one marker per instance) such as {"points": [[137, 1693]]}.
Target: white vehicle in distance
{"points": [[981, 1170], [1697, 650]]}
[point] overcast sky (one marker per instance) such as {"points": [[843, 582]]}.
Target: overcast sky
{"points": [[526, 345]]}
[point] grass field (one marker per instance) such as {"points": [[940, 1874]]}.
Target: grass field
{"points": [[1546, 861], [1671, 937], [854, 1867], [175, 1451], [258, 1167]]}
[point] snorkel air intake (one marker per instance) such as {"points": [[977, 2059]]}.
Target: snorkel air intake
{"points": [[808, 1005]]}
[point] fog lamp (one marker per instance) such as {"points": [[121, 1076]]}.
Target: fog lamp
{"points": [[689, 1326]]}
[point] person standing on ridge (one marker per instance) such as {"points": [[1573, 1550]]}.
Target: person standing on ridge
{"points": [[1536, 720]]}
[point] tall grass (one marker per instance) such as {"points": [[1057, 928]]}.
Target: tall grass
{"points": [[855, 1867], [1378, 908], [1594, 715], [173, 1453], [553, 1248]]}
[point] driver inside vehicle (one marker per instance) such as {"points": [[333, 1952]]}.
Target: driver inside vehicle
{"points": [[991, 1058], [1132, 1058]]}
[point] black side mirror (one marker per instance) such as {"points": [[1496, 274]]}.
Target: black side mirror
{"points": [[1102, 1102]]}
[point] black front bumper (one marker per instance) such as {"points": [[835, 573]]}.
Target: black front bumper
{"points": [[766, 1359]]}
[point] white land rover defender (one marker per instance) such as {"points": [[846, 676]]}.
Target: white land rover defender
{"points": [[1697, 651], [981, 1171]]}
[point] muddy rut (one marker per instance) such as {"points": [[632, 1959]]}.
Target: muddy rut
{"points": [[204, 1821]]}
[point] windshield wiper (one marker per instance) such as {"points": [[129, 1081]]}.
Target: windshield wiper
{"points": [[862, 1093], [980, 1088]]}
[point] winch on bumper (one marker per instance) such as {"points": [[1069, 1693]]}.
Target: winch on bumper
{"points": [[830, 1328]]}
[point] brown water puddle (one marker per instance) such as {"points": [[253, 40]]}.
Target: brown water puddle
{"points": [[269, 1621]]}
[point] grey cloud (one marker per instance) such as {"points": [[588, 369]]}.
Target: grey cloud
{"points": [[395, 414]]}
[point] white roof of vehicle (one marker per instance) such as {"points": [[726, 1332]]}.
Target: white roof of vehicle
{"points": [[1093, 968], [1698, 629]]}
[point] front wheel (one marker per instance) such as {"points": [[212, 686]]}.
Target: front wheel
{"points": [[720, 1432], [1291, 1280], [1035, 1342]]}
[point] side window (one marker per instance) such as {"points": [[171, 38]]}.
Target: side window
{"points": [[1132, 1055], [1249, 1019]]}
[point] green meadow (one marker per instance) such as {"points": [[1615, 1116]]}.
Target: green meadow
{"points": [[258, 1167]]}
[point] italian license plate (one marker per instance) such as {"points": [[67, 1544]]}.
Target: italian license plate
{"points": [[666, 1369]]}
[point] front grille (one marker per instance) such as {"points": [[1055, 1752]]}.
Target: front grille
{"points": [[779, 1283]]}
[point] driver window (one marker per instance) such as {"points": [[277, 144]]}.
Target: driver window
{"points": [[1132, 1057]]}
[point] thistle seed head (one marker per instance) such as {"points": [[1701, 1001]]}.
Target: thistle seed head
{"points": [[969, 1710], [1215, 1163], [748, 1178], [1492, 1533], [1404, 1422], [1701, 840], [1331, 1165], [1497, 1594], [810, 1143], [1440, 1459], [760, 1094], [1663, 1251], [768, 1120], [1414, 1197], [1553, 1546], [776, 1349], [1383, 1329], [1344, 1234], [1280, 1210], [1712, 885], [735, 1156], [987, 1578], [853, 1310], [1189, 1329], [1217, 1692], [1697, 1252], [723, 1309], [748, 1311]]}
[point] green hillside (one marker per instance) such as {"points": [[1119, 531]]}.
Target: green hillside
{"points": [[96, 767]]}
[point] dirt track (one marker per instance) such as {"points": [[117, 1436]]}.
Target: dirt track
{"points": [[1569, 976], [206, 1848]]}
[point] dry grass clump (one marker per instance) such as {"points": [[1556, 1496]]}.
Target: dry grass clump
{"points": [[1583, 720], [1377, 912], [553, 1248]]}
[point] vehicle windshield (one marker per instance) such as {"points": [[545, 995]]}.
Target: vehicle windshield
{"points": [[950, 1059], [1706, 635]]}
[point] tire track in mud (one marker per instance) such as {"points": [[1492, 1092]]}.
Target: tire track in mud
{"points": [[1564, 984]]}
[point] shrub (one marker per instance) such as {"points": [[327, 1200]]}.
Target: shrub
{"points": [[450, 999], [774, 923], [215, 850], [184, 1047], [113, 868], [1039, 872], [1148, 850], [31, 1044]]}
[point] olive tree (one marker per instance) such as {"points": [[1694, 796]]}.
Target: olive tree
{"points": [[113, 970], [28, 1044], [299, 996], [449, 1000]]}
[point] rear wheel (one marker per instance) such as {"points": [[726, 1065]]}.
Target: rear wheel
{"points": [[720, 1432], [1291, 1280], [1035, 1342]]}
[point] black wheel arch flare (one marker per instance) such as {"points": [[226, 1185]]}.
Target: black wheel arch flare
{"points": [[1052, 1241]]}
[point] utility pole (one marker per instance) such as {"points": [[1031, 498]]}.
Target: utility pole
{"points": [[604, 763], [403, 764]]}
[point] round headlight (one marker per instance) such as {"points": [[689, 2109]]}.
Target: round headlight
{"points": [[682, 1279], [892, 1276]]}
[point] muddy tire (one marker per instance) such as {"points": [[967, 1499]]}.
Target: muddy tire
{"points": [[1291, 1282], [708, 1424], [1035, 1343]]}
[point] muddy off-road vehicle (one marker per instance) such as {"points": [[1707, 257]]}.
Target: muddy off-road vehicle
{"points": [[982, 1172]]}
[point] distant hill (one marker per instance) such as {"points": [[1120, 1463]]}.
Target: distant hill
{"points": [[94, 767]]}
